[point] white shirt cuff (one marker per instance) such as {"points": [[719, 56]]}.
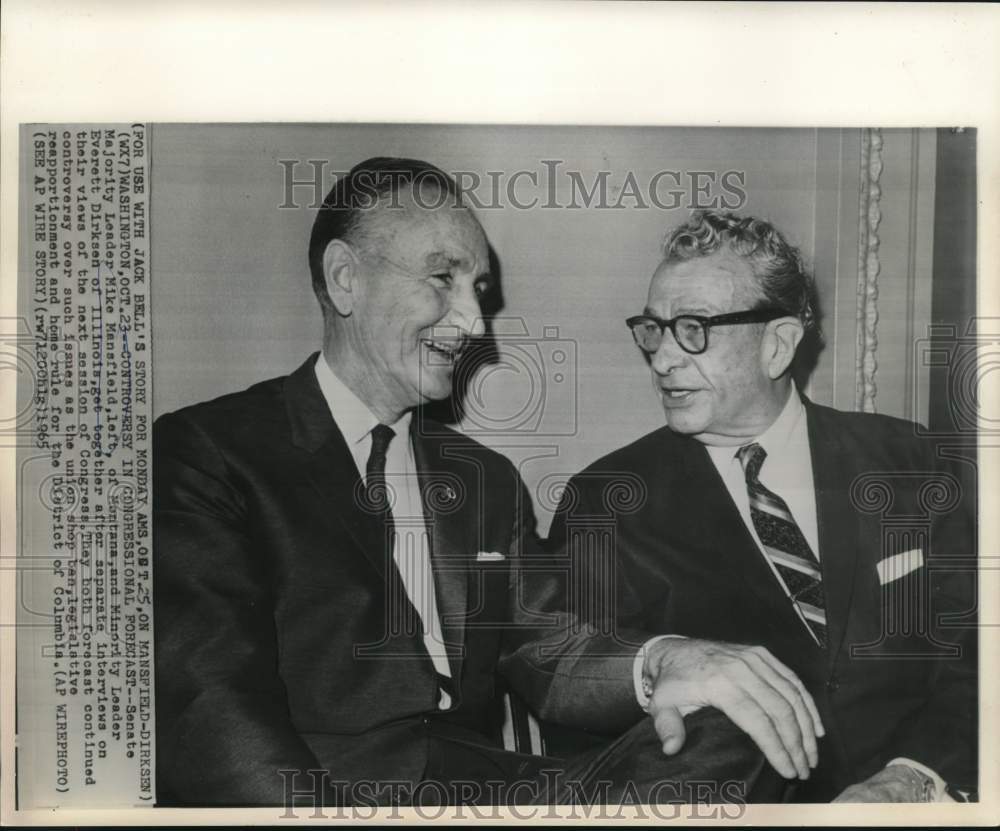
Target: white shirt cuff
{"points": [[637, 667], [940, 788]]}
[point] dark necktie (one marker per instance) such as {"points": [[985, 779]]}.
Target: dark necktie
{"points": [[784, 545], [403, 616], [375, 484], [404, 619]]}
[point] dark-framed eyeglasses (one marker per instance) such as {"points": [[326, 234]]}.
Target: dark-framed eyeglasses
{"points": [[691, 331]]}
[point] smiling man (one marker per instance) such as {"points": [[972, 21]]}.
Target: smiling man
{"points": [[759, 551], [401, 294], [339, 580]]}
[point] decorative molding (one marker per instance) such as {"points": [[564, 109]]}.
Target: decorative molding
{"points": [[912, 240], [869, 217]]}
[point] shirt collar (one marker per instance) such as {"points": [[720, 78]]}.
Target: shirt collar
{"points": [[777, 438], [350, 413]]}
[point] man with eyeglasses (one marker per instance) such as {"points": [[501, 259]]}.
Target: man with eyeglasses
{"points": [[754, 572]]}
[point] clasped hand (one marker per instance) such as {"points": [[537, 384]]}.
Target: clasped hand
{"points": [[753, 688]]}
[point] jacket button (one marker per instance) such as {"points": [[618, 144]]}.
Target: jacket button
{"points": [[833, 684]]}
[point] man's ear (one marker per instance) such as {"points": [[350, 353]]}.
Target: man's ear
{"points": [[340, 267], [781, 339]]}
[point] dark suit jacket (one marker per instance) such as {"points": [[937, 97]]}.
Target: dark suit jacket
{"points": [[658, 546], [272, 596]]}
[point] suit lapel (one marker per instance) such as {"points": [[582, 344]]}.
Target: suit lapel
{"points": [[724, 530], [838, 525], [331, 469], [444, 490]]}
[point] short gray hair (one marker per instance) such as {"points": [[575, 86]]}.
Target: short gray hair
{"points": [[347, 209]]}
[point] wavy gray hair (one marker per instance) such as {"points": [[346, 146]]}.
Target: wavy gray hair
{"points": [[776, 264]]}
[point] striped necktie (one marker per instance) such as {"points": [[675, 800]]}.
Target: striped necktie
{"points": [[784, 545]]}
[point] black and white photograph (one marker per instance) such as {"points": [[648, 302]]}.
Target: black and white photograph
{"points": [[456, 468]]}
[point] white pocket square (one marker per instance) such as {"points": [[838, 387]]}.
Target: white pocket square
{"points": [[899, 565], [489, 557]]}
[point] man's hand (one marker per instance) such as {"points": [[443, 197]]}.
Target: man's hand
{"points": [[753, 688], [895, 783]]}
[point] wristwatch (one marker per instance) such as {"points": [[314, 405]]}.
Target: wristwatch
{"points": [[647, 687], [922, 786]]}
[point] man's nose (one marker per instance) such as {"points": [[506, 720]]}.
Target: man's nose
{"points": [[669, 356], [466, 312]]}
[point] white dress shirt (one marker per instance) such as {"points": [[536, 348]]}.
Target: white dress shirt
{"points": [[411, 544]]}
